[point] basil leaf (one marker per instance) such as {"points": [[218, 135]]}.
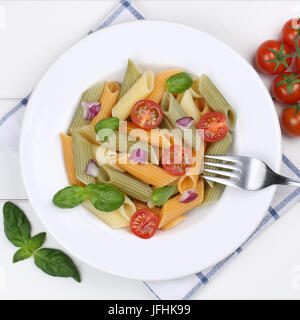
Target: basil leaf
{"points": [[161, 195], [56, 263], [22, 254], [70, 197], [179, 82], [105, 127], [105, 197], [16, 226], [31, 245]]}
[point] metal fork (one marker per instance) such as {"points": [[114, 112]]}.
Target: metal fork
{"points": [[244, 173]]}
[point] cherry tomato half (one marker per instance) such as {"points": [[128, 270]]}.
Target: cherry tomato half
{"points": [[146, 114], [290, 31], [176, 160], [286, 88], [144, 223], [272, 57], [214, 125], [290, 121]]}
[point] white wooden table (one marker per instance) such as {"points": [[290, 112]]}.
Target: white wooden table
{"points": [[32, 35]]}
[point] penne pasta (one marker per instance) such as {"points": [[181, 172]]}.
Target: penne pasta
{"points": [[142, 205], [173, 223], [108, 99], [173, 208], [212, 195], [148, 173], [172, 112], [68, 151], [113, 219], [104, 156], [219, 148], [132, 74], [82, 154], [216, 100], [187, 182], [127, 209], [140, 90], [188, 105], [155, 137], [124, 182], [89, 133], [90, 95], [160, 81]]}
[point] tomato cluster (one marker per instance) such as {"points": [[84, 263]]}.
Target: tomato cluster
{"points": [[282, 58]]}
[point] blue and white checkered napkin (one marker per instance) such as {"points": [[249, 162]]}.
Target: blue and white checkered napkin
{"points": [[185, 287]]}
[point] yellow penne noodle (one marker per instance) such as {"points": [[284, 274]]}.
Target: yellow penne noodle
{"points": [[149, 173], [155, 137], [188, 105], [68, 151], [89, 133], [113, 219], [104, 156], [108, 99], [142, 205], [127, 209], [187, 182], [160, 84], [173, 223], [173, 208], [140, 90]]}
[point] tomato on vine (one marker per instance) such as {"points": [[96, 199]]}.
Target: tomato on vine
{"points": [[273, 57], [291, 32], [290, 120], [286, 88]]}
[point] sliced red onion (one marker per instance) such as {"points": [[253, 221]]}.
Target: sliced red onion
{"points": [[139, 156], [92, 169], [90, 109], [188, 195], [185, 122]]}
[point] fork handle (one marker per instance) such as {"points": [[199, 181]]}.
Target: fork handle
{"points": [[286, 181]]}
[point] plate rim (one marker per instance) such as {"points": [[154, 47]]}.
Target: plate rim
{"points": [[276, 167]]}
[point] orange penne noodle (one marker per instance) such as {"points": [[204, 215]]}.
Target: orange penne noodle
{"points": [[187, 182], [68, 151], [149, 173], [173, 208], [108, 99], [141, 205], [173, 222], [160, 84]]}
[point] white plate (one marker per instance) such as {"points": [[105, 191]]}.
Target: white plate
{"points": [[208, 234]]}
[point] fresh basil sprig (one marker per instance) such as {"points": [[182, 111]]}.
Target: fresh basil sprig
{"points": [[105, 127], [56, 263], [30, 247], [104, 197], [17, 230], [179, 82], [70, 197], [161, 195]]}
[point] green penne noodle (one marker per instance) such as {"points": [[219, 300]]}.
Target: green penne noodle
{"points": [[172, 112], [82, 155], [132, 74], [219, 148], [92, 94], [127, 184], [212, 195], [216, 101]]}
